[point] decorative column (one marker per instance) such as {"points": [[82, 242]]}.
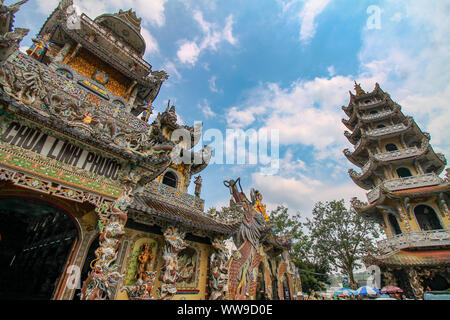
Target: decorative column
{"points": [[218, 281], [74, 53], [130, 88], [105, 275], [169, 274], [62, 54], [414, 281], [133, 96]]}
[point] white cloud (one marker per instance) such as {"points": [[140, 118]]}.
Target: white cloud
{"points": [[150, 11], [331, 71], [311, 9], [307, 113], [47, 6], [189, 51], [212, 84], [206, 109], [172, 71], [150, 41], [397, 17], [301, 194]]}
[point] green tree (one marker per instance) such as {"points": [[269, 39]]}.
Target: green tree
{"points": [[340, 237], [313, 276]]}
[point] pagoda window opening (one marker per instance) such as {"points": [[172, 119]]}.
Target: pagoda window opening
{"points": [[427, 218], [395, 227], [403, 172], [381, 126], [374, 112], [391, 147], [170, 179], [367, 101]]}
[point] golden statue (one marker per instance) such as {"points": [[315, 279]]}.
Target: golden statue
{"points": [[261, 208], [144, 262]]}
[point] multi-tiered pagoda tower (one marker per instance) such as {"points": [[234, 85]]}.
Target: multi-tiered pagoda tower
{"points": [[406, 196]]}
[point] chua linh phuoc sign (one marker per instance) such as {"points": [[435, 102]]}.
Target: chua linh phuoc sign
{"points": [[33, 141]]}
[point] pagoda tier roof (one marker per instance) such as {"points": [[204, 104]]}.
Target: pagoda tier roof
{"points": [[403, 258], [355, 98], [406, 128], [423, 154], [160, 211], [382, 193], [357, 118]]}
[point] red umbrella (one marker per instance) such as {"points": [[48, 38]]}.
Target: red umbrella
{"points": [[391, 289]]}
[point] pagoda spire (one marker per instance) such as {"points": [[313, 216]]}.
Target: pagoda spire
{"points": [[358, 89]]}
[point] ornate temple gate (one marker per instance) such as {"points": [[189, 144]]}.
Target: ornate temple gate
{"points": [[39, 237], [48, 173], [80, 206]]}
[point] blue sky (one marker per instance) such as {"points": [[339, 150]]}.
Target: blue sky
{"points": [[288, 65]]}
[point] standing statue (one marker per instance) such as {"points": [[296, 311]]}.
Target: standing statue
{"points": [[261, 208], [198, 185], [244, 263], [39, 47], [147, 111], [144, 262], [169, 273]]}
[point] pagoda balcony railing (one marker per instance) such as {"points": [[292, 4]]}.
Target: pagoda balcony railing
{"points": [[423, 180], [439, 237], [386, 130], [376, 116], [174, 195], [398, 154], [372, 102], [366, 167], [392, 155]]}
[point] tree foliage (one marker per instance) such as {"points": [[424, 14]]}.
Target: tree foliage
{"points": [[340, 237], [313, 276]]}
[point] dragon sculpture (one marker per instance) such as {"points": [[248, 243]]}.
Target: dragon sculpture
{"points": [[219, 273], [105, 275], [170, 273], [244, 262]]}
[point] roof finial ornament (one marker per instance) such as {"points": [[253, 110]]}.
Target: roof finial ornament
{"points": [[358, 89]]}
